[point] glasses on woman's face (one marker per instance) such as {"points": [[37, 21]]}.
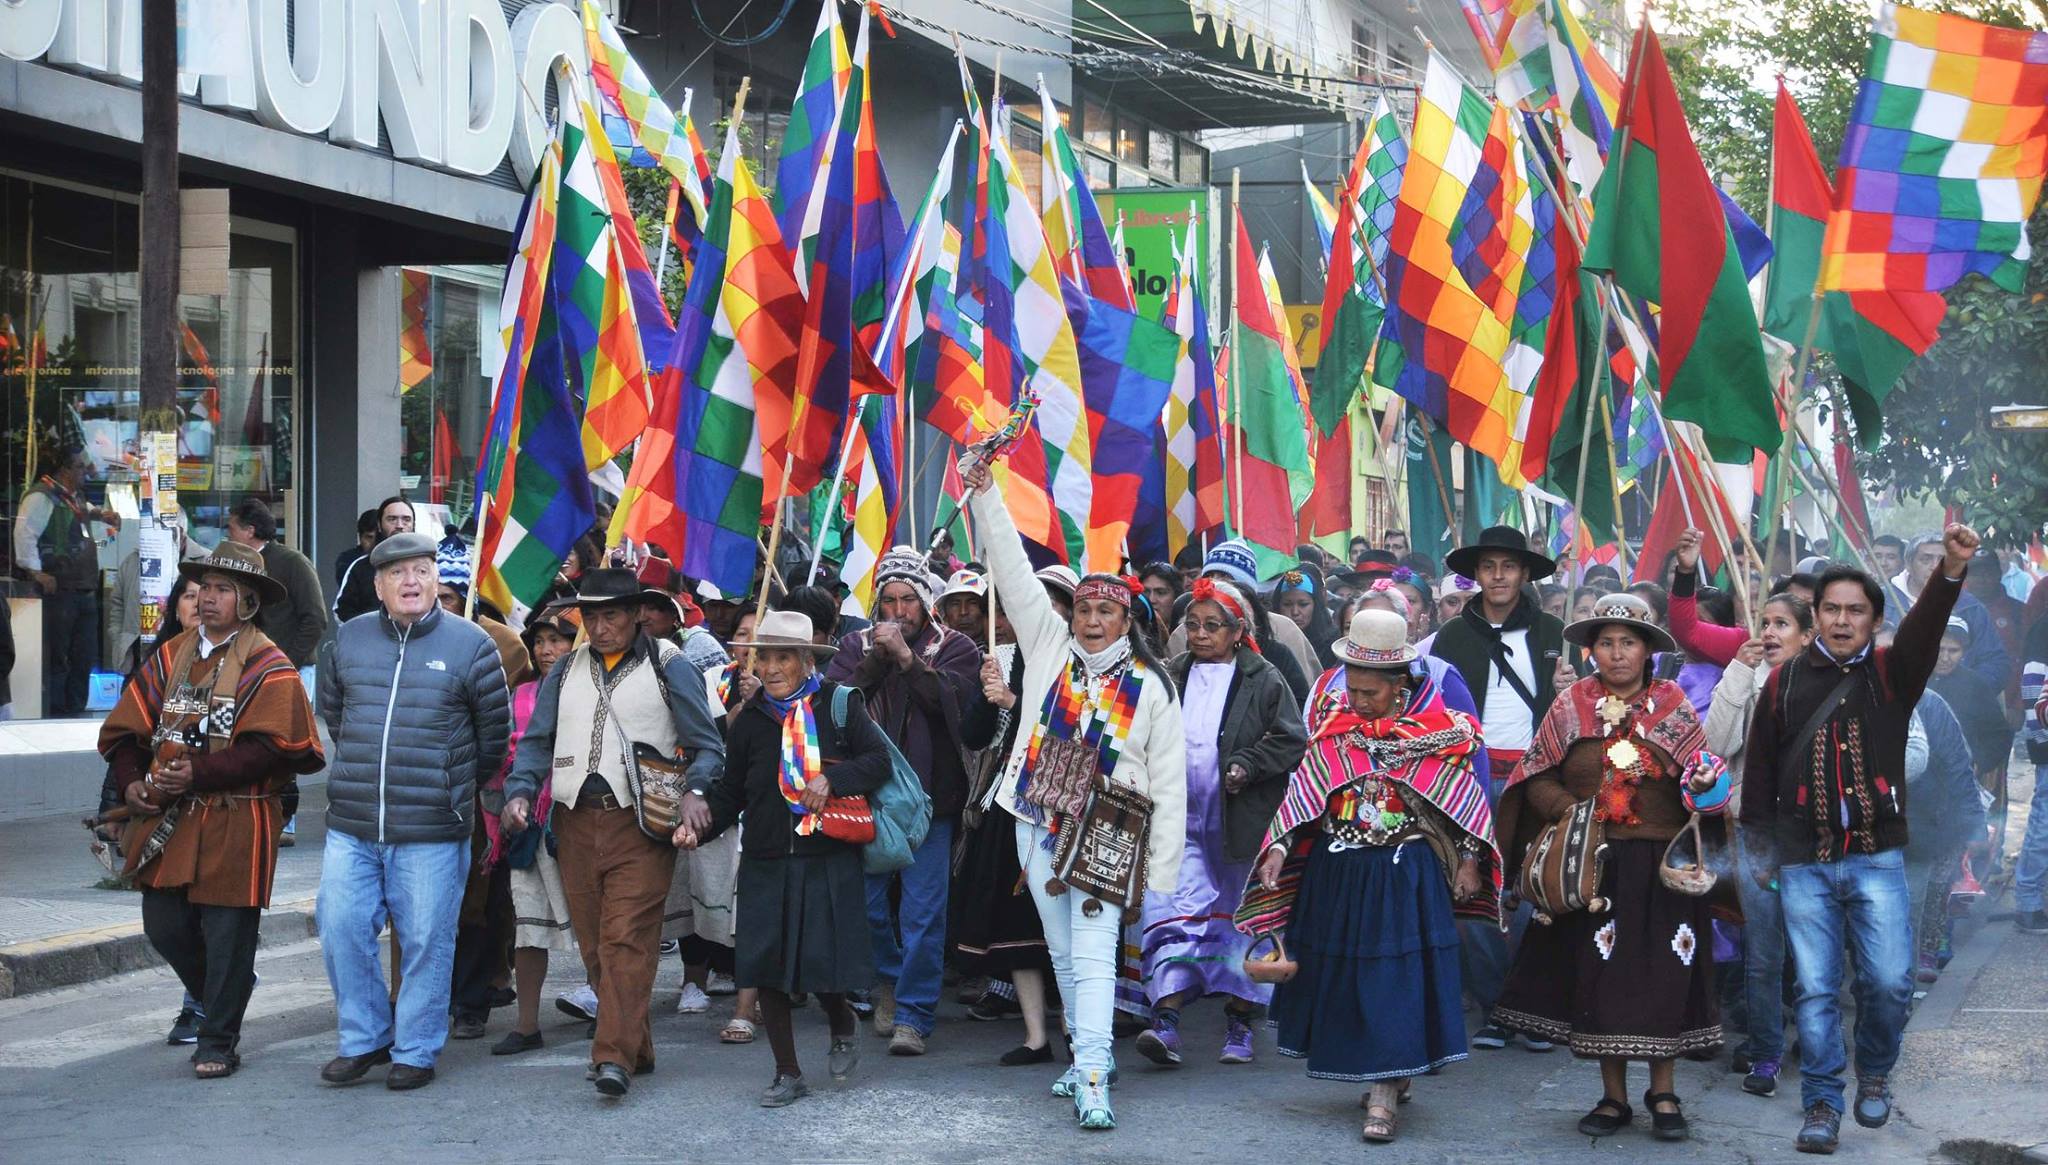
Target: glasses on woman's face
{"points": [[1205, 626]]}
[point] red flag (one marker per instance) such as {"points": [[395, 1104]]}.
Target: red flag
{"points": [[1329, 508], [1561, 370], [1673, 515]]}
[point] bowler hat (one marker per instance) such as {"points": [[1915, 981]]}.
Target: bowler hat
{"points": [[1465, 559], [1629, 611], [1378, 640]]}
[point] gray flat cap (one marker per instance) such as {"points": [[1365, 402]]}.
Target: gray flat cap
{"points": [[400, 547]]}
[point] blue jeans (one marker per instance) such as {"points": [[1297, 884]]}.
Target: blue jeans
{"points": [[1867, 894], [2030, 874], [1084, 950], [915, 961], [1763, 969], [417, 887]]}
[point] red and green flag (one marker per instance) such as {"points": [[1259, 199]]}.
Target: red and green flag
{"points": [[1873, 335], [1660, 232]]}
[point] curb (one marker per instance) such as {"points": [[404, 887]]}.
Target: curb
{"points": [[85, 956]]}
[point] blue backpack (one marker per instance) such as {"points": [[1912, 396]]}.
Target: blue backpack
{"points": [[903, 810]]}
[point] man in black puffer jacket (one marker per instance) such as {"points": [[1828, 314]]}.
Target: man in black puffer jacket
{"points": [[415, 700]]}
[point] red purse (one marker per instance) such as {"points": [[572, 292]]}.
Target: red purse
{"points": [[848, 819]]}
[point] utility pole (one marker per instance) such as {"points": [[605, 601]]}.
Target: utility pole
{"points": [[159, 220]]}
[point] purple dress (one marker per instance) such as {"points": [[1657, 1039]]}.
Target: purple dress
{"points": [[1189, 941]]}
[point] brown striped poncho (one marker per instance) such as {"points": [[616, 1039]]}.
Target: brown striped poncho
{"points": [[221, 843]]}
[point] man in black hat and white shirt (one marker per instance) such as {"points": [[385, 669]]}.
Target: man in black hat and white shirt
{"points": [[1508, 651], [620, 689]]}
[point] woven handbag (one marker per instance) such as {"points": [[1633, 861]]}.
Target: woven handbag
{"points": [[1064, 775], [1561, 868], [1101, 850], [849, 819]]}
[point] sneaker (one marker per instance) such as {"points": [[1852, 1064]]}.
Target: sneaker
{"points": [[717, 984], [1070, 1080], [906, 1041], [1929, 968], [861, 1004], [693, 1000], [971, 989], [670, 946], [1536, 1043], [1091, 1101], [994, 1008], [785, 1091], [1490, 1036], [1762, 1079], [467, 1027], [1237, 1042], [845, 1054], [1821, 1132], [185, 1029], [1873, 1102], [580, 1003], [1160, 1044], [884, 1017], [2031, 921]]}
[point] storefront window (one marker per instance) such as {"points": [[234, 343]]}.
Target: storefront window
{"points": [[70, 320], [449, 354]]}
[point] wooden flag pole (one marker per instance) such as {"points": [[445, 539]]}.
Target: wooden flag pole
{"points": [[1236, 387]]}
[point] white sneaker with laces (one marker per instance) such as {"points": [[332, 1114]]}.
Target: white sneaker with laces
{"points": [[693, 1001], [581, 1003]]}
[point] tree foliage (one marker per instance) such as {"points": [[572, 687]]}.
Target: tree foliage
{"points": [[1993, 343]]}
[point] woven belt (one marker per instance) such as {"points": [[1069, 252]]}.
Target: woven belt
{"points": [[1353, 836]]}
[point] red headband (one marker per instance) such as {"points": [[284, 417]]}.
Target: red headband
{"points": [[1205, 590], [1117, 591]]}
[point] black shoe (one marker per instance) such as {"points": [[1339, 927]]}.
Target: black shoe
{"points": [[844, 1057], [184, 1029], [1021, 1055], [515, 1043], [1491, 1036], [1608, 1117], [467, 1027], [1740, 1065], [1666, 1126], [1873, 1102], [1822, 1130], [612, 1080], [2031, 921], [503, 997], [990, 1008], [405, 1078], [349, 1069]]}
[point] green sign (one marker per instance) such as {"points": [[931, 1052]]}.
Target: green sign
{"points": [[1155, 222]]}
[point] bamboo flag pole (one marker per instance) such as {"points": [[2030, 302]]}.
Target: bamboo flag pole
{"points": [[1236, 386]]}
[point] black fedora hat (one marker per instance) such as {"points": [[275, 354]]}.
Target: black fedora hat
{"points": [[608, 587], [1465, 559]]}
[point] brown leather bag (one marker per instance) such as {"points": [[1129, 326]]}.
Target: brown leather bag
{"points": [[1561, 869]]}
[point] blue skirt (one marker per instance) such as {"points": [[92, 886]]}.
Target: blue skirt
{"points": [[1378, 995]]}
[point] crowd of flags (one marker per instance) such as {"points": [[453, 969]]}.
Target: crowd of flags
{"points": [[1542, 271]]}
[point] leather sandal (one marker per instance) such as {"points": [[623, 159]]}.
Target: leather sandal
{"points": [[215, 1065], [1380, 1123], [1407, 1093], [1603, 1123], [1666, 1126]]}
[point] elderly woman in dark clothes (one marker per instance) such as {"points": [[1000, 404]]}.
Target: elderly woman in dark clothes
{"points": [[1634, 980], [802, 924]]}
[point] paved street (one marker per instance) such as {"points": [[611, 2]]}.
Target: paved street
{"points": [[85, 1075], [78, 1066]]}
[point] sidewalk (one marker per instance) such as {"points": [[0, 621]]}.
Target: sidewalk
{"points": [[58, 926]]}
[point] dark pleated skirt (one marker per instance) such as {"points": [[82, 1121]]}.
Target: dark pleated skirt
{"points": [[995, 924], [1636, 981], [803, 924], [1378, 993]]}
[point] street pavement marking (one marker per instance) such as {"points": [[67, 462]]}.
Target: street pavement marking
{"points": [[2002, 1011]]}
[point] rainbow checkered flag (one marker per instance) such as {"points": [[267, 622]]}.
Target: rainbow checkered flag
{"points": [[1943, 158]]}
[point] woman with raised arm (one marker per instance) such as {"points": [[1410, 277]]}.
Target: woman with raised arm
{"points": [[1099, 723]]}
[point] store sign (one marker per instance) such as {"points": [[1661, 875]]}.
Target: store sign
{"points": [[456, 87], [1155, 222]]}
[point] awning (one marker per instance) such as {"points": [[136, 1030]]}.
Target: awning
{"points": [[1220, 67]]}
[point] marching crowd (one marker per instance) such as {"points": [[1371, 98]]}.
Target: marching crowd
{"points": [[1340, 798]]}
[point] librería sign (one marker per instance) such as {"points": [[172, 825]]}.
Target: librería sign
{"points": [[455, 85]]}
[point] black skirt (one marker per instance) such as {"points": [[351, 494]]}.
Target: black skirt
{"points": [[803, 923], [1635, 982], [995, 923]]}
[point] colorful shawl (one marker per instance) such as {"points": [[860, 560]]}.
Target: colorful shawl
{"points": [[801, 763], [1428, 748], [1097, 710]]}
